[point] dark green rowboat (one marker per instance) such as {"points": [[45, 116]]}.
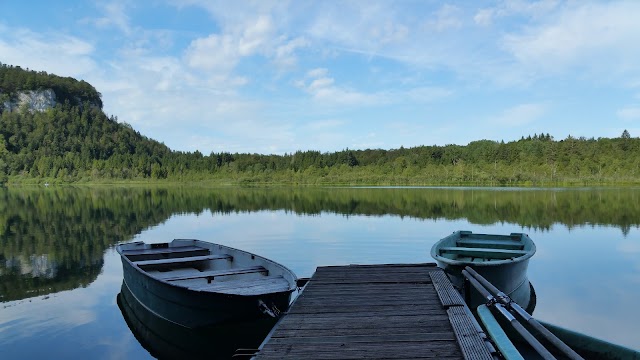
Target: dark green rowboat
{"points": [[494, 284], [196, 283], [501, 259]]}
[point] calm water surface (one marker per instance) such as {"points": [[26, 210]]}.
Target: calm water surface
{"points": [[60, 275]]}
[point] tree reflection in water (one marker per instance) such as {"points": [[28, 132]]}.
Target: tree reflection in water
{"points": [[54, 239]]}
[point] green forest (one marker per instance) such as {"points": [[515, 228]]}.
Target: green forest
{"points": [[76, 142]]}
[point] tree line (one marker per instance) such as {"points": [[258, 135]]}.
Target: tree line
{"points": [[78, 142], [75, 143]]}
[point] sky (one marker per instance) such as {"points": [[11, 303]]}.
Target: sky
{"points": [[274, 77]]}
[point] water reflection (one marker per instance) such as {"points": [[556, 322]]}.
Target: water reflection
{"points": [[167, 340], [54, 239], [59, 273]]}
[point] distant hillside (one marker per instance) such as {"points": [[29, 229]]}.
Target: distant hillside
{"points": [[70, 139]]}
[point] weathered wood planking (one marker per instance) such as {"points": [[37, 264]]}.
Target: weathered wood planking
{"points": [[374, 312], [179, 260], [167, 250], [211, 273], [447, 293]]}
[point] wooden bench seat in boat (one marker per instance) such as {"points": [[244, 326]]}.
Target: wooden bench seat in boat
{"points": [[264, 285], [500, 244], [487, 253], [182, 260], [209, 274], [164, 252]]}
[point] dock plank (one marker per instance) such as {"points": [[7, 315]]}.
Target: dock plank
{"points": [[468, 336], [300, 321], [384, 350], [388, 311], [365, 338], [447, 293]]}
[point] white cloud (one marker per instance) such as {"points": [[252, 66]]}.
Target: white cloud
{"points": [[285, 53], [324, 124], [484, 17], [390, 33], [319, 84], [323, 89], [422, 39], [222, 52], [345, 96], [600, 36], [235, 16], [372, 29], [255, 36], [446, 18], [114, 15], [506, 8], [215, 52], [425, 94], [519, 115], [629, 113], [25, 48], [316, 73]]}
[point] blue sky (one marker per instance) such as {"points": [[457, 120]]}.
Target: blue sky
{"points": [[280, 76]]}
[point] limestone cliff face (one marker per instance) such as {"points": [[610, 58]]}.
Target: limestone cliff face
{"points": [[33, 100]]}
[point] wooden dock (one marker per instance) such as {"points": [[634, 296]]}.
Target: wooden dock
{"points": [[403, 311]]}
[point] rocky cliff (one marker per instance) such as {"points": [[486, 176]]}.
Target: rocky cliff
{"points": [[32, 100]]}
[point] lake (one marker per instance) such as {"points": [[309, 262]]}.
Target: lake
{"points": [[60, 276]]}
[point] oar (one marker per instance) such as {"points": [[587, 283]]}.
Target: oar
{"points": [[506, 300], [526, 335]]}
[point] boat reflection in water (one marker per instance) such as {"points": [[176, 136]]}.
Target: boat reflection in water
{"points": [[167, 340]]}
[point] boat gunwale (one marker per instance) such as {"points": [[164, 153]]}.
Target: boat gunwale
{"points": [[522, 237]]}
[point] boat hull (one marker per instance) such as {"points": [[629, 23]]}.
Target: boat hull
{"points": [[193, 309], [590, 347], [509, 274]]}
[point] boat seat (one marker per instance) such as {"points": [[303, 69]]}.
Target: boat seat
{"points": [[164, 252], [182, 260], [487, 253], [210, 274], [499, 244], [264, 285]]}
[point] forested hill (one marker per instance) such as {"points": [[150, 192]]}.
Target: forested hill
{"points": [[74, 141], [13, 80], [71, 141]]}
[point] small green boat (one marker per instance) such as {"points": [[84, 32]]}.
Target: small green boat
{"points": [[501, 259]]}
